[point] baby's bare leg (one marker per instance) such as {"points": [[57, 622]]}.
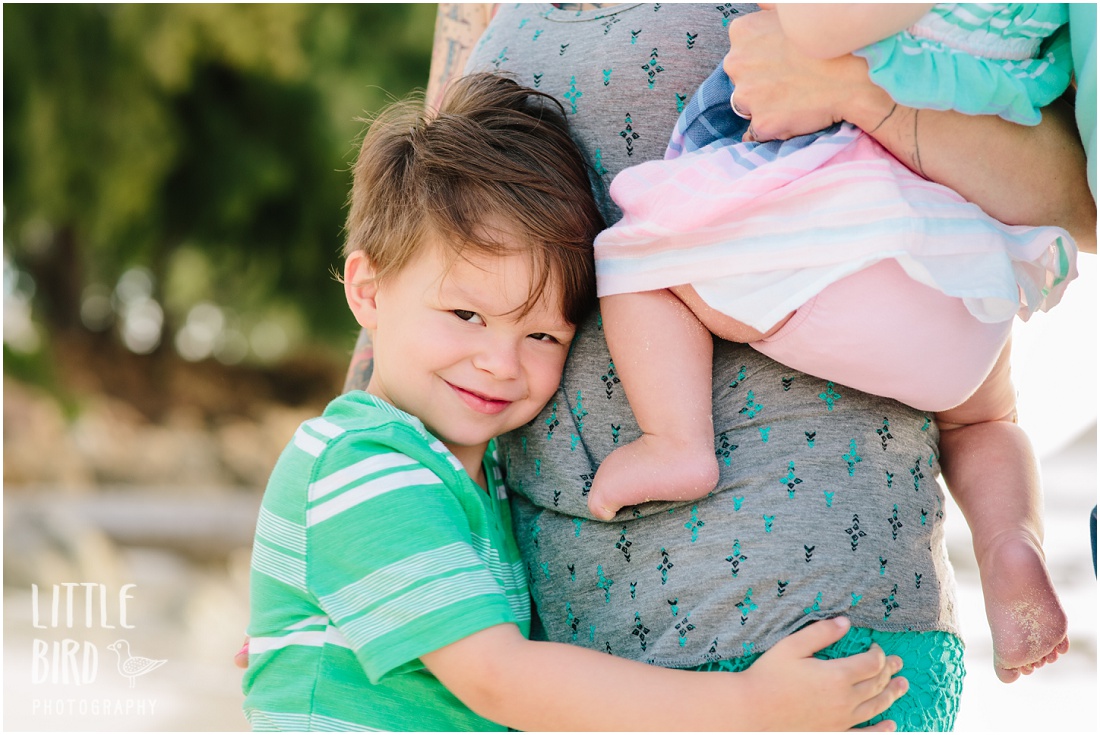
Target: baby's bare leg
{"points": [[993, 475], [663, 356]]}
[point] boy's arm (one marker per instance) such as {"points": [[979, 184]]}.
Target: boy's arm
{"points": [[457, 28], [532, 685], [827, 30], [1020, 175]]}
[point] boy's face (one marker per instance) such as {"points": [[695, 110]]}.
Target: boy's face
{"points": [[451, 349]]}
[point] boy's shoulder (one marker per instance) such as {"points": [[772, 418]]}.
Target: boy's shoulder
{"points": [[360, 411], [357, 439], [357, 423]]}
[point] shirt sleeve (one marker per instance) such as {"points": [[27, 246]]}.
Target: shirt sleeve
{"points": [[394, 556]]}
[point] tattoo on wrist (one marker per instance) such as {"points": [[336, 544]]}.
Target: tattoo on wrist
{"points": [[883, 120], [916, 145]]}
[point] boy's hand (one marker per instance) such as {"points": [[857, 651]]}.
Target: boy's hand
{"points": [[786, 689], [240, 658], [504, 677], [795, 691]]}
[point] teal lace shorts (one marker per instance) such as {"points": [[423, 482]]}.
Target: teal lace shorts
{"points": [[932, 662]]}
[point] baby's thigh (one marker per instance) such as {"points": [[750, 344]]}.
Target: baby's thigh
{"points": [[995, 399], [719, 324]]}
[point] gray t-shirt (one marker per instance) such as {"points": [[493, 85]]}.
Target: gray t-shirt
{"points": [[828, 502]]}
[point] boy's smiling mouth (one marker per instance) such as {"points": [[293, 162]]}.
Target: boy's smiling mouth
{"points": [[478, 402]]}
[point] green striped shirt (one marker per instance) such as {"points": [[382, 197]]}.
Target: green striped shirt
{"points": [[373, 547]]}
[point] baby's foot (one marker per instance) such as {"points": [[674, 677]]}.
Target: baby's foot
{"points": [[1025, 616], [652, 468]]}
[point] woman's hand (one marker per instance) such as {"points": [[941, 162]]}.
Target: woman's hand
{"points": [[788, 93]]}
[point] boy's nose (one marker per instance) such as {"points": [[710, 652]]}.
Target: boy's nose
{"points": [[499, 357]]}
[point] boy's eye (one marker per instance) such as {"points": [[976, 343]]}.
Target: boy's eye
{"points": [[469, 316], [543, 337]]}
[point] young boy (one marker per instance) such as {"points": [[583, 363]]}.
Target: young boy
{"points": [[387, 590]]}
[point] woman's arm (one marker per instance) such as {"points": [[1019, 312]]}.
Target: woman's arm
{"points": [[1018, 174], [532, 685], [457, 28], [826, 30], [361, 364]]}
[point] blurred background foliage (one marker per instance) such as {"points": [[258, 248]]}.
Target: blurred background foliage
{"points": [[175, 179]]}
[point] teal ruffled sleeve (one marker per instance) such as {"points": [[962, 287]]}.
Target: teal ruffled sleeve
{"points": [[1082, 34], [931, 71]]}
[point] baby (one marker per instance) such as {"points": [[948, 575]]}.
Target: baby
{"points": [[829, 256]]}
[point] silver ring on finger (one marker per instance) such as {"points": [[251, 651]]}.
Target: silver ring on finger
{"points": [[737, 110]]}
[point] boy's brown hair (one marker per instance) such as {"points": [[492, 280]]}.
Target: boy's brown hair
{"points": [[494, 155]]}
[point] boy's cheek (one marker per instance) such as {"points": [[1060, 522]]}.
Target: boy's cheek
{"points": [[550, 378]]}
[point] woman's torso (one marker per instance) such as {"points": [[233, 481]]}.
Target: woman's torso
{"points": [[828, 501]]}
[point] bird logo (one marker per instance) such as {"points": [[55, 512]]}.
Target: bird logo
{"points": [[132, 667]]}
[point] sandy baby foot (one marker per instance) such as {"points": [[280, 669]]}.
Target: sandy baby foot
{"points": [[1025, 616], [652, 468]]}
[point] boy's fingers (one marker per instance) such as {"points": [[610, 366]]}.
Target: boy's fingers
{"points": [[870, 664], [814, 637], [882, 701], [869, 688], [884, 726], [240, 658]]}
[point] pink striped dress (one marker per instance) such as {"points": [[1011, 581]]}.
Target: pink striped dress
{"points": [[760, 229]]}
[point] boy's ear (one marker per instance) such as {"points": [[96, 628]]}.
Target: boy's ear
{"points": [[361, 289]]}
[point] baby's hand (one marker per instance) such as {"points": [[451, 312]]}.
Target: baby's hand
{"points": [[796, 691]]}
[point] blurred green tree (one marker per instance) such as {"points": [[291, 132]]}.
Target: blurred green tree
{"points": [[208, 144]]}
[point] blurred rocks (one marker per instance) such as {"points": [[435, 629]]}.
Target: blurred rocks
{"points": [[56, 544], [249, 449], [38, 445], [158, 487], [147, 475], [110, 442]]}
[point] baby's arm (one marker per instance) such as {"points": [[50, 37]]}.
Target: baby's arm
{"points": [[827, 30], [532, 685]]}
